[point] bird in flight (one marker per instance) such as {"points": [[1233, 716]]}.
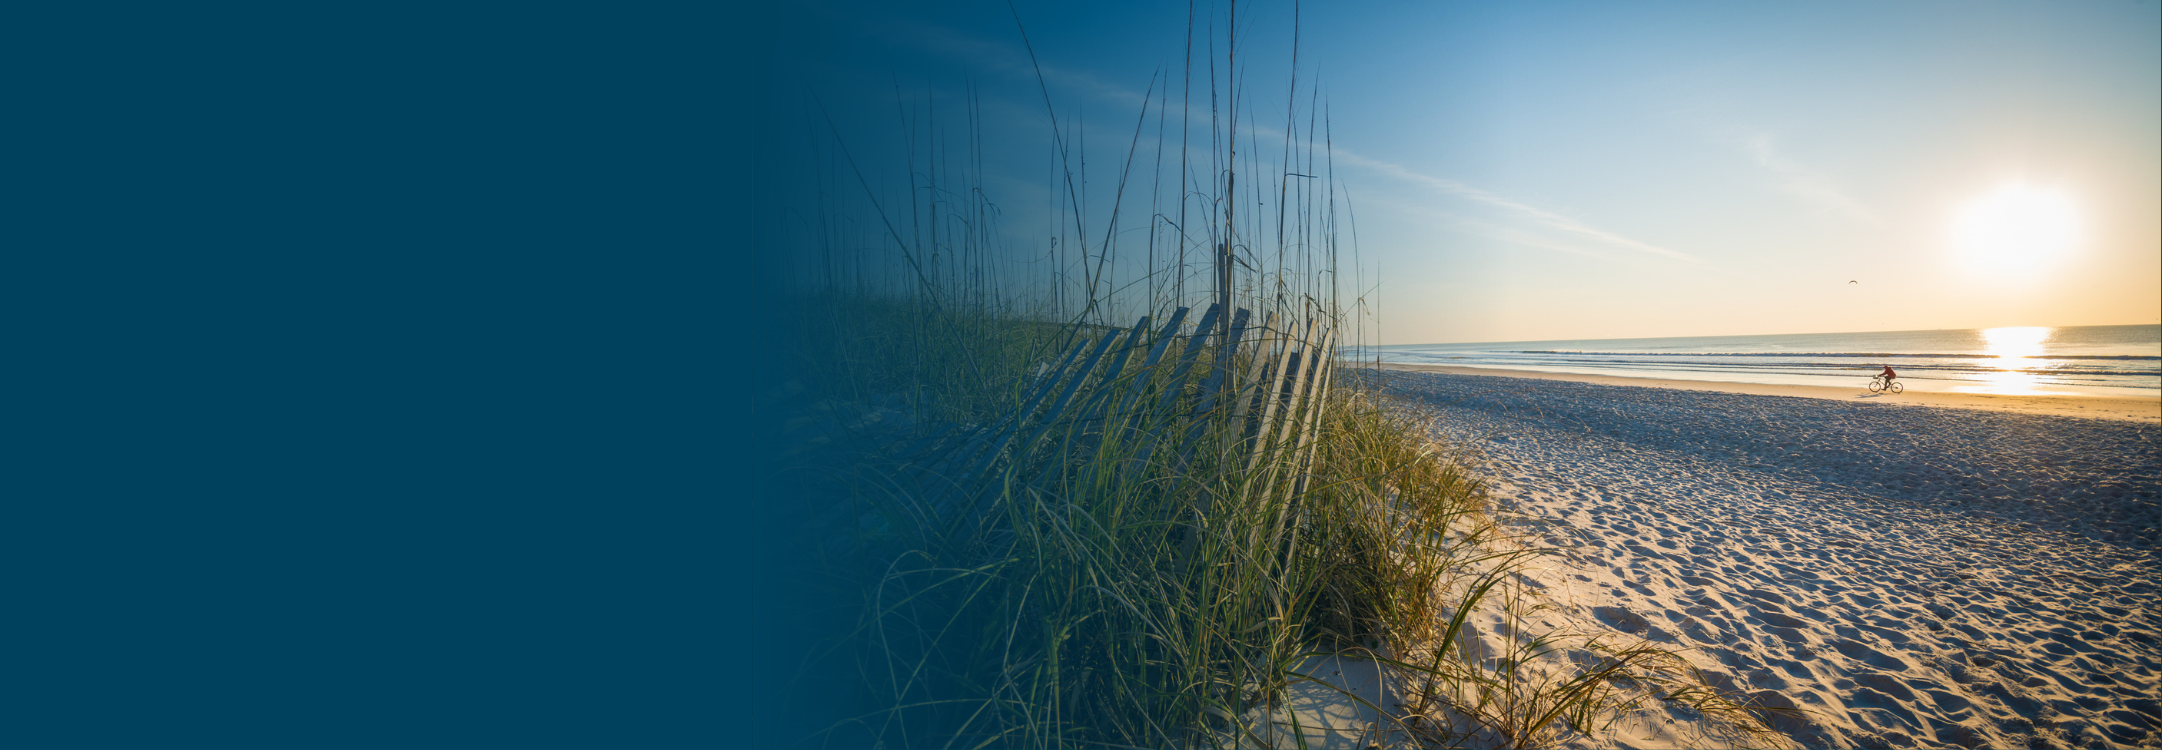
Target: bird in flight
{"points": [[1854, 282]]}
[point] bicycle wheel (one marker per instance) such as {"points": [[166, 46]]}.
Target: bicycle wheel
{"points": [[1876, 384], [1898, 386]]}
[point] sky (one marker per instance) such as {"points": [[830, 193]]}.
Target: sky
{"points": [[1542, 171]]}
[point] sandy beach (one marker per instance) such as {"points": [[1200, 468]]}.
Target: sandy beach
{"points": [[2100, 407], [1924, 570]]}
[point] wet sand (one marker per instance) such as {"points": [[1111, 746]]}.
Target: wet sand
{"points": [[2100, 407], [1977, 573]]}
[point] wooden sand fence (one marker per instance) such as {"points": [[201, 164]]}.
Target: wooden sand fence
{"points": [[1184, 412]]}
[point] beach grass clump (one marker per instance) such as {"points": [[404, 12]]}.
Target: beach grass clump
{"points": [[1520, 686], [1418, 553], [1124, 575]]}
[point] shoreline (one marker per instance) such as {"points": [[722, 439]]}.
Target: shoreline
{"points": [[2092, 407]]}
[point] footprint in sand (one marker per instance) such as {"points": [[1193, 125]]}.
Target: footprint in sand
{"points": [[1869, 656], [1765, 595], [1776, 619], [1875, 705], [1947, 701], [1697, 630], [1885, 684], [1893, 637], [1792, 636], [1621, 619]]}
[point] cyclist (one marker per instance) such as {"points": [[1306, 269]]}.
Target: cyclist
{"points": [[1887, 375]]}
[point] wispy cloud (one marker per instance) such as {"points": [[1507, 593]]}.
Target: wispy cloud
{"points": [[1011, 59], [1004, 57], [1802, 181], [1544, 217]]}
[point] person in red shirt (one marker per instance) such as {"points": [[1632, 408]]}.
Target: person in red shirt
{"points": [[1888, 374]]}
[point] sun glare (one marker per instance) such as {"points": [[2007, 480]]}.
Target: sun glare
{"points": [[2011, 347], [2016, 229]]}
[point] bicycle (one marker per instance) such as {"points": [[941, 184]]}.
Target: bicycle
{"points": [[1877, 384]]}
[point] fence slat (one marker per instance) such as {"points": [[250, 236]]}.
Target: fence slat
{"points": [[1300, 402], [999, 436], [1289, 371], [1303, 454], [1105, 391], [1205, 403], [928, 464], [1271, 411], [1204, 408], [1186, 359], [1106, 388], [1147, 371], [1255, 369], [1133, 336], [1112, 419], [1324, 372], [1049, 418], [1073, 386], [1177, 383]]}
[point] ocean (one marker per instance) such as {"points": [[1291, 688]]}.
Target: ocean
{"points": [[2073, 360]]}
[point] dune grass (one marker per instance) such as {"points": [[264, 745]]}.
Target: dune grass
{"points": [[1155, 565], [1120, 591], [1115, 593]]}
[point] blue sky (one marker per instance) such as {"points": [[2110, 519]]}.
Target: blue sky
{"points": [[1589, 170]]}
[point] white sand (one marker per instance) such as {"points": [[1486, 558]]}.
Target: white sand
{"points": [[1911, 577]]}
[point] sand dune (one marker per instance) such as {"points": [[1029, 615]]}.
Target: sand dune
{"points": [[1908, 577]]}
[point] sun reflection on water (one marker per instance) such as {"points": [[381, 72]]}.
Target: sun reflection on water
{"points": [[2011, 348]]}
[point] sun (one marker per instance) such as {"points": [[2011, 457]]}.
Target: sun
{"points": [[2016, 229]]}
